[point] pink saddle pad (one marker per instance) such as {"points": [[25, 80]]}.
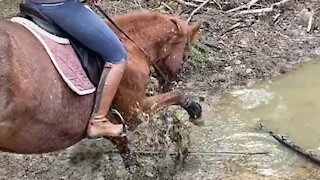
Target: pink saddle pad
{"points": [[66, 62]]}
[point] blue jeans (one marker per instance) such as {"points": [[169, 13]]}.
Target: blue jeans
{"points": [[87, 27]]}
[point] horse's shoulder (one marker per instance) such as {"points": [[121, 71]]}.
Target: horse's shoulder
{"points": [[12, 62]]}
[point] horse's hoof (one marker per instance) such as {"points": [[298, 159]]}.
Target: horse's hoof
{"points": [[194, 109]]}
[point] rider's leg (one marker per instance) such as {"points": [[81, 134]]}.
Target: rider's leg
{"points": [[90, 30], [99, 125]]}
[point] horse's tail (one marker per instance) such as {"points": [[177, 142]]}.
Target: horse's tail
{"points": [[5, 53]]}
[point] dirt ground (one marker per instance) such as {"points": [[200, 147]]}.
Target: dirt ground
{"points": [[234, 50], [260, 47]]}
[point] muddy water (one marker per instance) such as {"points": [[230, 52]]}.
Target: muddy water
{"points": [[289, 104], [223, 148]]}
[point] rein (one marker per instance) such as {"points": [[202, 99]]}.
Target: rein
{"points": [[155, 66]]}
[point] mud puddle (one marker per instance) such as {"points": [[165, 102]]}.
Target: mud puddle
{"points": [[222, 146], [288, 104]]}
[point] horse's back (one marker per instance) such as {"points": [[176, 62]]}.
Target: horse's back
{"points": [[38, 111]]}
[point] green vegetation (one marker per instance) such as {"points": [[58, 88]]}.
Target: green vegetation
{"points": [[196, 55], [197, 59]]}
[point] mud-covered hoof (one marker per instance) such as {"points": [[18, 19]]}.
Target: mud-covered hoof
{"points": [[194, 109]]}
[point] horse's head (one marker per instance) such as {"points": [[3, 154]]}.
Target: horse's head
{"points": [[165, 38], [174, 50]]}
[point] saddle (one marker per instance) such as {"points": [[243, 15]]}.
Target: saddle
{"points": [[83, 73], [91, 62]]}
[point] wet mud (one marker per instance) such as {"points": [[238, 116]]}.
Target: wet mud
{"points": [[224, 145]]}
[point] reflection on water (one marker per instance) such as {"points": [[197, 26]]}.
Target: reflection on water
{"points": [[290, 104]]}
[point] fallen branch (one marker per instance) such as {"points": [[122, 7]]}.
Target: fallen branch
{"points": [[251, 3], [263, 10], [197, 9], [255, 11], [246, 6], [228, 152], [167, 6], [213, 2], [232, 27], [276, 17], [289, 144], [236, 9], [235, 26], [279, 3], [310, 21], [218, 4], [187, 3], [211, 153]]}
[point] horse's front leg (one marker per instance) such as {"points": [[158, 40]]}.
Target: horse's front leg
{"points": [[164, 100]]}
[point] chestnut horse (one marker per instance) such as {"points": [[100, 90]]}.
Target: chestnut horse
{"points": [[38, 111]]}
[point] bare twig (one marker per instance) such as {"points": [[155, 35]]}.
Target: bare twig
{"points": [[246, 6], [167, 6], [276, 17], [251, 3], [255, 11], [310, 21], [213, 2], [197, 9], [235, 26], [236, 9], [187, 3], [198, 1], [279, 3], [218, 4], [264, 10]]}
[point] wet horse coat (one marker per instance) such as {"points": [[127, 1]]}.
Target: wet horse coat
{"points": [[38, 111]]}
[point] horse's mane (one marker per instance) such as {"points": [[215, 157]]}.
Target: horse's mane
{"points": [[135, 17], [137, 21], [144, 27]]}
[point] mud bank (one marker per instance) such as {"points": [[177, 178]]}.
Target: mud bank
{"points": [[234, 51]]}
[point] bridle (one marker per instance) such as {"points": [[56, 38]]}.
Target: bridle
{"points": [[151, 62], [155, 66]]}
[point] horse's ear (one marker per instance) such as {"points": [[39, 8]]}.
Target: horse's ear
{"points": [[193, 32], [179, 28]]}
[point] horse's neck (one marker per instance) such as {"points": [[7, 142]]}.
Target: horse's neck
{"points": [[144, 29]]}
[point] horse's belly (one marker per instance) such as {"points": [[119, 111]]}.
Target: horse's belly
{"points": [[31, 129]]}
